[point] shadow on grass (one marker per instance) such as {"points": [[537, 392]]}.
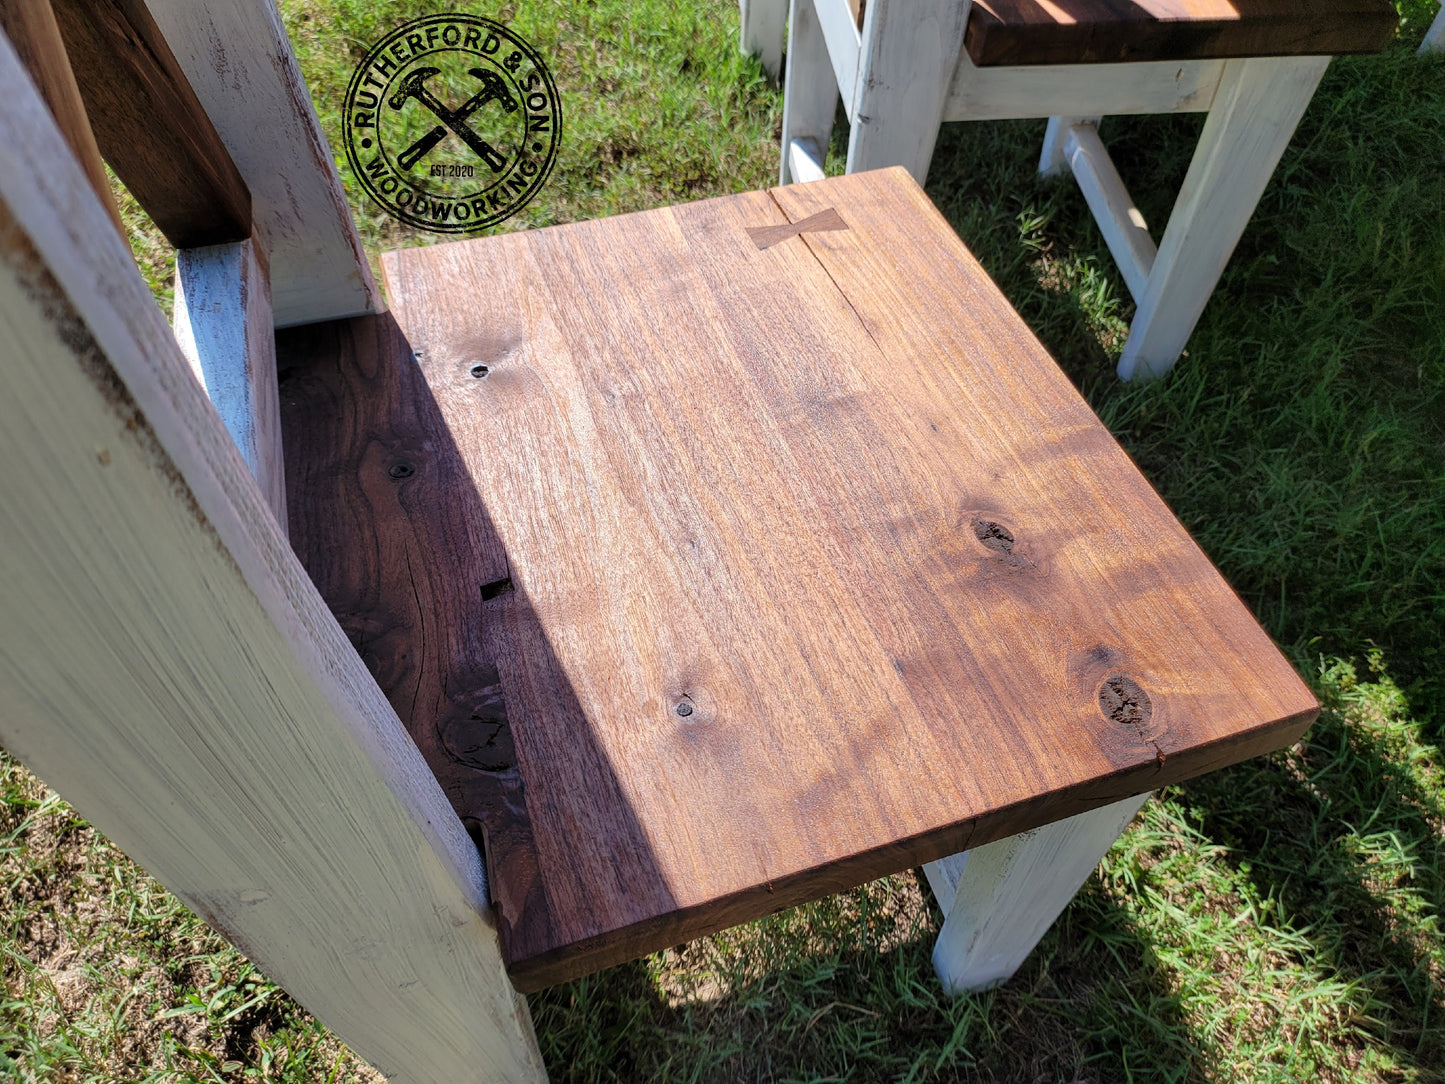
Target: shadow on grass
{"points": [[844, 990], [1344, 833]]}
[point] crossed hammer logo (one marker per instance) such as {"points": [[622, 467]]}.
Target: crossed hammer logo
{"points": [[454, 121]]}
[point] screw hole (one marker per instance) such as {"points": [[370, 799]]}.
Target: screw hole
{"points": [[480, 371], [684, 709], [401, 470]]}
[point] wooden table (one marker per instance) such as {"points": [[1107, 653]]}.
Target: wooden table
{"points": [[728, 555], [1252, 65]]}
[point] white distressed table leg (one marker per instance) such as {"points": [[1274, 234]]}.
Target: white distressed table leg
{"points": [[1435, 37], [1052, 159], [909, 54], [167, 665], [1001, 898], [810, 89], [764, 22], [1255, 112], [224, 327]]}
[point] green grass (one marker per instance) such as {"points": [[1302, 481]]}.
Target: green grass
{"points": [[1279, 920]]}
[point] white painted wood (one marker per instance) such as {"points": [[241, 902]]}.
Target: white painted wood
{"points": [[810, 94], [844, 44], [909, 53], [1435, 37], [1082, 89], [1123, 227], [1052, 161], [1011, 892], [764, 23], [224, 327], [1254, 115], [239, 61], [943, 877], [805, 160], [168, 666]]}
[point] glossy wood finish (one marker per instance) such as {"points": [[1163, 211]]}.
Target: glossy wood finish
{"points": [[150, 126], [1090, 31], [712, 578]]}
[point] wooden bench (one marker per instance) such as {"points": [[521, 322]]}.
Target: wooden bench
{"points": [[700, 562], [750, 550], [1252, 65]]}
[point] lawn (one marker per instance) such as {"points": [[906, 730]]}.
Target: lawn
{"points": [[1279, 920]]}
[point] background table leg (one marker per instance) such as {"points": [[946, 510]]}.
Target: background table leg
{"points": [[763, 25], [1052, 161], [905, 70], [810, 93], [1254, 115], [1002, 897]]}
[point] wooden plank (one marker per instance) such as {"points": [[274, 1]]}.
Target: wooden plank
{"points": [[905, 68], [223, 326], [1254, 116], [844, 45], [176, 676], [240, 63], [1121, 223], [1052, 160], [810, 92], [1028, 32], [32, 30], [150, 126], [1089, 89], [999, 900], [791, 534]]}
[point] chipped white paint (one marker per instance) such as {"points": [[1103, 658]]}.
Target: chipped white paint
{"points": [[223, 326], [906, 62], [1000, 899], [239, 61], [168, 666]]}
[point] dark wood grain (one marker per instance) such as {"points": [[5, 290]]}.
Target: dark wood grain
{"points": [[31, 27], [150, 126], [1003, 32], [819, 568]]}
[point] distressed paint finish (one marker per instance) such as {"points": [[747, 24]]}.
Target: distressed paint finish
{"points": [[170, 669], [223, 326], [239, 62]]}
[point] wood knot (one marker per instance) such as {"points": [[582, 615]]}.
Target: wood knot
{"points": [[476, 731], [1124, 702], [993, 535]]}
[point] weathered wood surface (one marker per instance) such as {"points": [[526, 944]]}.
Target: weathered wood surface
{"points": [[166, 664], [1090, 31], [818, 567], [150, 125], [223, 326], [241, 66], [31, 27]]}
